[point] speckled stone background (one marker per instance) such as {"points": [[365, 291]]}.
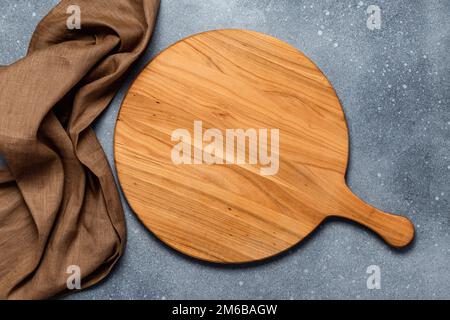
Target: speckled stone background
{"points": [[394, 85]]}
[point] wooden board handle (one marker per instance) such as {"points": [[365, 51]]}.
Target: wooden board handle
{"points": [[396, 230]]}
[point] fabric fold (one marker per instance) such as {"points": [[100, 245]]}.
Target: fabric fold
{"points": [[59, 203]]}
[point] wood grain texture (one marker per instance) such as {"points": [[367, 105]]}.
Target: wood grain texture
{"points": [[231, 213]]}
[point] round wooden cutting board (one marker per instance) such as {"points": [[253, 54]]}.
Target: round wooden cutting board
{"points": [[231, 146]]}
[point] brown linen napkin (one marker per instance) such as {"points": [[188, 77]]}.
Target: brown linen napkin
{"points": [[59, 205]]}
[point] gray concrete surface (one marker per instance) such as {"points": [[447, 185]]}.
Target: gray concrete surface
{"points": [[394, 86]]}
